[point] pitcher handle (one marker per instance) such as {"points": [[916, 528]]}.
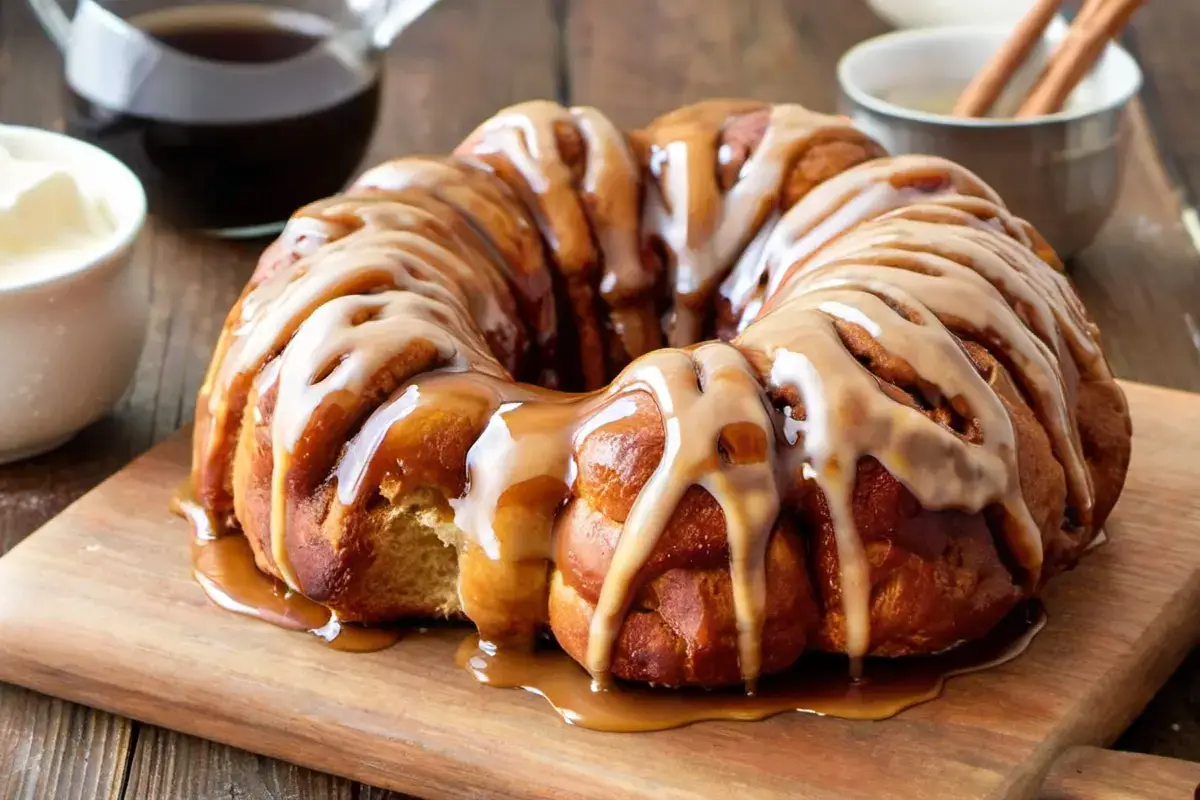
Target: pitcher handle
{"points": [[54, 22], [399, 15]]}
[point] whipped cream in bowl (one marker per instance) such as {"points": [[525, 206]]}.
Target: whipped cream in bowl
{"points": [[48, 223], [73, 297]]}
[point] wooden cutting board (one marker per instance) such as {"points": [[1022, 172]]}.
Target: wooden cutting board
{"points": [[99, 607], [1090, 773]]}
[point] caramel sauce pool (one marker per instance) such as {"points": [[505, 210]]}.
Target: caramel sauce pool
{"points": [[223, 565], [817, 684]]}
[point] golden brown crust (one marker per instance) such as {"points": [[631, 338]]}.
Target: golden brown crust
{"points": [[681, 629], [1107, 435], [936, 577], [594, 347], [510, 239], [824, 155], [347, 556]]}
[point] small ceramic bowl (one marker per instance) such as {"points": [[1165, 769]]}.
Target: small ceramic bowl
{"points": [[1060, 171], [70, 340], [930, 13]]}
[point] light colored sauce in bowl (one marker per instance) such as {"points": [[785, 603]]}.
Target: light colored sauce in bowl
{"points": [[939, 98], [49, 223]]}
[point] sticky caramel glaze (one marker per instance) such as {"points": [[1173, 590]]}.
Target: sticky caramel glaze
{"points": [[509, 235], [341, 350], [834, 208], [578, 177], [917, 289], [402, 247], [521, 468], [371, 369], [987, 288], [818, 684], [702, 225], [505, 477], [223, 565]]}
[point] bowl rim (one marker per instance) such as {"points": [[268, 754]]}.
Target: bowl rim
{"points": [[883, 107], [127, 232]]}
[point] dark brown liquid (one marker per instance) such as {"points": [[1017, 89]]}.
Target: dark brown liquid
{"points": [[252, 44], [817, 684], [229, 174], [224, 567]]}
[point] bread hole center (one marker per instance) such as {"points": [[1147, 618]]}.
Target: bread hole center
{"points": [[365, 315], [328, 368]]}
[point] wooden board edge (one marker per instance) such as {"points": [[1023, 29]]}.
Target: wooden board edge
{"points": [[1161, 650], [1093, 773]]}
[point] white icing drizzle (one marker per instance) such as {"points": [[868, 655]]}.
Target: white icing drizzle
{"points": [[847, 418], [506, 235], [590, 224], [965, 278], [335, 353], [835, 207], [271, 313], [693, 418], [399, 247], [703, 229]]}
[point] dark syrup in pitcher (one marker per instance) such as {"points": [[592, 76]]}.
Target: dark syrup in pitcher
{"points": [[248, 168]]}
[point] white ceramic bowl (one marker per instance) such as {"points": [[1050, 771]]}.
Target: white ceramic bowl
{"points": [[70, 341], [1060, 171], [931, 13]]}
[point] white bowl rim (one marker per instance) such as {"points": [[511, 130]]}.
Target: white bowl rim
{"points": [[127, 231], [883, 107]]}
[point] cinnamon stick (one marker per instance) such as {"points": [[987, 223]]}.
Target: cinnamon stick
{"points": [[981, 94], [1099, 23], [1089, 10], [1085, 17]]}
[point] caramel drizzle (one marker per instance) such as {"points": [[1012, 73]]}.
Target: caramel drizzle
{"points": [[520, 471], [973, 279], [1042, 298], [703, 228], [602, 204], [508, 236], [847, 418], [835, 207], [530, 440], [700, 395], [333, 356], [400, 247], [910, 282]]}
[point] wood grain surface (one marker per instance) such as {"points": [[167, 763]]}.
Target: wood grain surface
{"points": [[66, 751], [169, 764], [136, 635], [633, 58], [1089, 773]]}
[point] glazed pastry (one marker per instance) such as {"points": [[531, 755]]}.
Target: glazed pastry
{"points": [[580, 182], [905, 427]]}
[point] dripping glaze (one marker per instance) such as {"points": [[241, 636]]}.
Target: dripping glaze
{"points": [[224, 567], [385, 312], [818, 684], [702, 227]]}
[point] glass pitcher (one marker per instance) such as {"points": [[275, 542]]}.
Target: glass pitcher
{"points": [[232, 113]]}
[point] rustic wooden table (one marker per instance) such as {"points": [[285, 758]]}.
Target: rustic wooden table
{"points": [[633, 58]]}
